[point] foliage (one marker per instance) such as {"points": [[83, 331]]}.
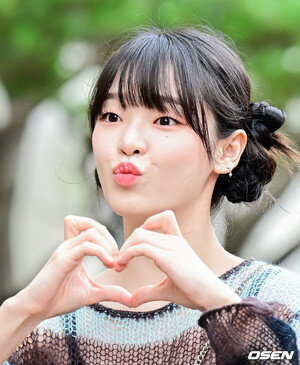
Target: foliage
{"points": [[33, 32]]}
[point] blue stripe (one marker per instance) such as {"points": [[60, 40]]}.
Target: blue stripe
{"points": [[254, 288]]}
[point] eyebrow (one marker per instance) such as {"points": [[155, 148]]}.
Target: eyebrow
{"points": [[166, 99]]}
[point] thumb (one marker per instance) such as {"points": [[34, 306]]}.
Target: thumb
{"points": [[112, 293], [149, 293]]}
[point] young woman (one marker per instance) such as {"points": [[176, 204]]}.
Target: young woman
{"points": [[174, 131]]}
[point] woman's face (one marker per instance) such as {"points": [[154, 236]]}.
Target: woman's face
{"points": [[171, 156]]}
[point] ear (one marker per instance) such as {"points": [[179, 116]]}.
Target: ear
{"points": [[229, 151]]}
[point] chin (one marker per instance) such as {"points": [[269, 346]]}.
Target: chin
{"points": [[135, 205], [132, 209], [124, 207]]}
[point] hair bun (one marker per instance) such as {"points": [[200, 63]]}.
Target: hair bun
{"points": [[270, 116]]}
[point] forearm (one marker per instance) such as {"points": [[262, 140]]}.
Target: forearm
{"points": [[16, 324]]}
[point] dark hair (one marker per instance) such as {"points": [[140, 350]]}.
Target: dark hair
{"points": [[208, 73]]}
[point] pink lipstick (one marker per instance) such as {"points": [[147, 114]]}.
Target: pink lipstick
{"points": [[126, 173]]}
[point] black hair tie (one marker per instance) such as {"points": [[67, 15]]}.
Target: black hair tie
{"points": [[265, 119], [272, 117]]}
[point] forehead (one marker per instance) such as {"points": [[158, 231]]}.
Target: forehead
{"points": [[131, 92], [113, 95]]}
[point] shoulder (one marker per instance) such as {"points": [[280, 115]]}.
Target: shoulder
{"points": [[275, 283], [279, 279]]}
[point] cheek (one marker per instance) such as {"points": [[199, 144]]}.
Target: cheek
{"points": [[95, 139], [184, 168], [101, 148], [185, 154]]}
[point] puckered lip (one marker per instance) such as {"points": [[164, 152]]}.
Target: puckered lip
{"points": [[126, 168]]}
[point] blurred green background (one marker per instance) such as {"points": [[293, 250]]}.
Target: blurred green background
{"points": [[34, 32], [45, 44]]}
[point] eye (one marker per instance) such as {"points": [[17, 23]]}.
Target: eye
{"points": [[165, 120], [109, 117]]}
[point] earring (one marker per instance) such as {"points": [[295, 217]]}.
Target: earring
{"points": [[230, 173]]}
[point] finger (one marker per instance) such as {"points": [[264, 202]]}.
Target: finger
{"points": [[93, 235], [142, 235], [143, 249], [90, 249], [149, 293], [166, 221], [73, 225], [113, 293]]}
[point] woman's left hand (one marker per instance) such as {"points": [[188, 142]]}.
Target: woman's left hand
{"points": [[189, 282]]}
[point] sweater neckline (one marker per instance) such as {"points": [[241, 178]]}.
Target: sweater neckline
{"points": [[167, 307]]}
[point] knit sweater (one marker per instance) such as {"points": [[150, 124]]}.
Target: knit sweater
{"points": [[267, 319]]}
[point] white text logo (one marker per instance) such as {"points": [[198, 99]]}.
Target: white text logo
{"points": [[274, 355]]}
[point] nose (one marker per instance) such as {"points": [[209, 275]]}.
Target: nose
{"points": [[132, 140]]}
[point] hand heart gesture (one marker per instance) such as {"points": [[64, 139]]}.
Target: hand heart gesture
{"points": [[188, 282]]}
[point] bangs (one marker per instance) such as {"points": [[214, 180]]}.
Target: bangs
{"points": [[146, 78], [156, 71]]}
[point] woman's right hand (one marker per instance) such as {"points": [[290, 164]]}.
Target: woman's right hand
{"points": [[63, 285]]}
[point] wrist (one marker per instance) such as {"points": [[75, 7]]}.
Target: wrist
{"points": [[19, 304], [227, 297]]}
